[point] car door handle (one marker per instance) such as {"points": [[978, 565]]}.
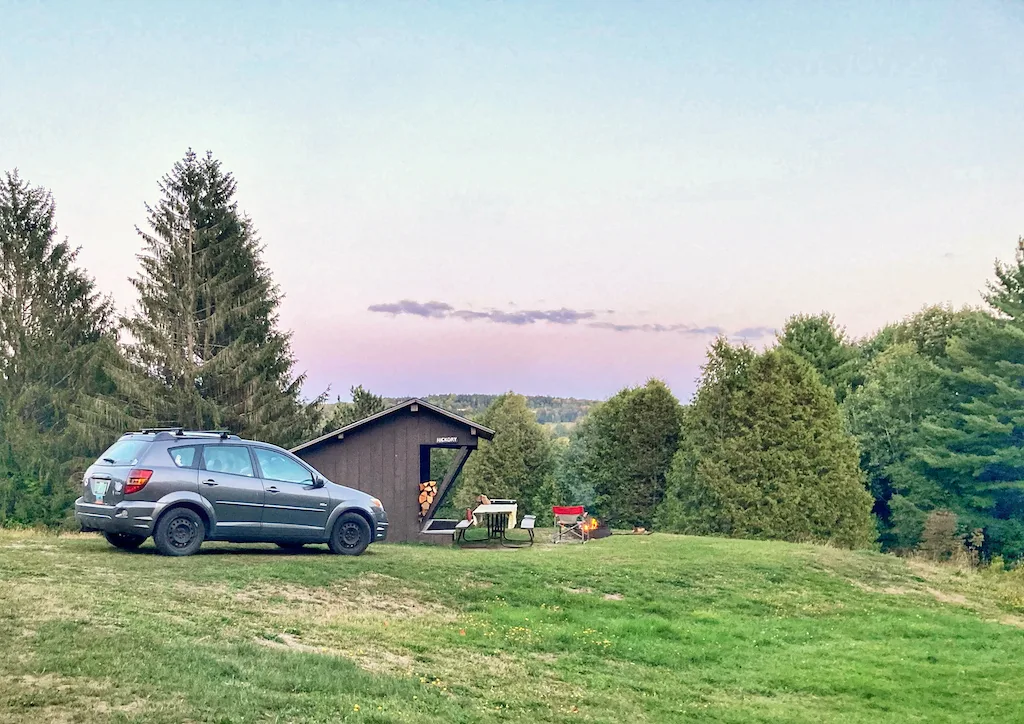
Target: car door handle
{"points": [[209, 482], [272, 490]]}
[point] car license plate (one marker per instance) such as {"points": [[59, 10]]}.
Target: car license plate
{"points": [[99, 489]]}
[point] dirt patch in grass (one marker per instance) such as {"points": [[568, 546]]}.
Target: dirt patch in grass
{"points": [[375, 660], [34, 602], [614, 597], [949, 597], [373, 596], [60, 699], [579, 590]]}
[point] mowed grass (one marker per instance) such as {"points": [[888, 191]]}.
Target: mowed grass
{"points": [[641, 629]]}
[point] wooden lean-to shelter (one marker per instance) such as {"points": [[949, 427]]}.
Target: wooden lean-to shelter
{"points": [[388, 456]]}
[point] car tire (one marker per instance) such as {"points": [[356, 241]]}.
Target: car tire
{"points": [[290, 546], [179, 532], [125, 541], [350, 535]]}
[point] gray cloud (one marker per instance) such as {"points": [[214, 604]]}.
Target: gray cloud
{"points": [[407, 306], [677, 328], [441, 310], [753, 332], [563, 316]]}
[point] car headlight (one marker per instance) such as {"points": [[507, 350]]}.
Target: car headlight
{"points": [[376, 503]]}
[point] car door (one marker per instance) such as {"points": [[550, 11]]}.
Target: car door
{"points": [[293, 507], [228, 479]]}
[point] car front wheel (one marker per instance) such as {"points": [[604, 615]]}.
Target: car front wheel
{"points": [[179, 532], [351, 535], [125, 541]]}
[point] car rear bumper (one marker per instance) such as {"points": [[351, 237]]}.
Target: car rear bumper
{"points": [[125, 517]]}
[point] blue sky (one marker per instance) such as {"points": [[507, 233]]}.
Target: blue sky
{"points": [[588, 191]]}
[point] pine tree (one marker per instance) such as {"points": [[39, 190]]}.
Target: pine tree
{"points": [[206, 326], [765, 455], [58, 355], [364, 403], [974, 451]]}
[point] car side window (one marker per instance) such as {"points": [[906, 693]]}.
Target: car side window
{"points": [[276, 466], [183, 457], [231, 459]]}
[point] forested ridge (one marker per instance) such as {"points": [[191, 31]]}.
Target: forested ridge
{"points": [[548, 410], [909, 438]]}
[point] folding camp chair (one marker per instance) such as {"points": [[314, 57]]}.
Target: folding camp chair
{"points": [[569, 520]]}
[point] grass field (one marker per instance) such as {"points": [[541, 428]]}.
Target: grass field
{"points": [[639, 629]]}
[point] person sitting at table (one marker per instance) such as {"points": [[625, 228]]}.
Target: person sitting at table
{"points": [[483, 500]]}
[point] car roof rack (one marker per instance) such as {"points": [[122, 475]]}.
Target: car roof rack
{"points": [[183, 432]]}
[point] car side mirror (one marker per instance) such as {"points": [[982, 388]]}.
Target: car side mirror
{"points": [[318, 483]]}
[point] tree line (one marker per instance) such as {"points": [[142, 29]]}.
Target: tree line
{"points": [[201, 349], [888, 439], [911, 438]]}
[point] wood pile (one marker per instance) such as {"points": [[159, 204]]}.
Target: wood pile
{"points": [[428, 491]]}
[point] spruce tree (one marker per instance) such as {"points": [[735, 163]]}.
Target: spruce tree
{"points": [[765, 455], [205, 329], [58, 352]]}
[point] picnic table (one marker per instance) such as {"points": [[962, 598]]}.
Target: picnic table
{"points": [[498, 517]]}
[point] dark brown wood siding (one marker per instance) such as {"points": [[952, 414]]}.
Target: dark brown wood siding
{"points": [[382, 458]]}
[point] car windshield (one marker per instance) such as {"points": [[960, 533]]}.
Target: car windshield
{"points": [[123, 452]]}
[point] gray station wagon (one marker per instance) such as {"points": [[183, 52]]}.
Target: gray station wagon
{"points": [[183, 487]]}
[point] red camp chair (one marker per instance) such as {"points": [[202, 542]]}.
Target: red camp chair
{"points": [[569, 520]]}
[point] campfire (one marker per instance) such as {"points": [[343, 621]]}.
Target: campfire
{"points": [[428, 491], [593, 528]]}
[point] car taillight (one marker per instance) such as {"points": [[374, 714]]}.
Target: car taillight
{"points": [[137, 480]]}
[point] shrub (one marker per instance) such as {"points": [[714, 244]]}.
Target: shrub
{"points": [[939, 539]]}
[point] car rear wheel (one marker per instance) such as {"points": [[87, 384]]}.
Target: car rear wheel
{"points": [[351, 535], [179, 532], [290, 546], [125, 541]]}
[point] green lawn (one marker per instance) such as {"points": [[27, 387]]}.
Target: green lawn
{"points": [[640, 629]]}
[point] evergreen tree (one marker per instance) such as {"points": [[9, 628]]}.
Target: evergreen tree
{"points": [[58, 398], [973, 450], [928, 331], [765, 455], [823, 343], [903, 389], [622, 453], [518, 463], [206, 326], [364, 404]]}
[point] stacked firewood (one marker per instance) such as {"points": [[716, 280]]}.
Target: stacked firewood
{"points": [[427, 492]]}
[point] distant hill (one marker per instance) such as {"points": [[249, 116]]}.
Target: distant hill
{"points": [[558, 414], [549, 410]]}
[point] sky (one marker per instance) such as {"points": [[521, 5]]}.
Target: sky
{"points": [[558, 198]]}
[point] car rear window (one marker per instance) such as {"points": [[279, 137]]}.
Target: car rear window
{"points": [[183, 457], [124, 452]]}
